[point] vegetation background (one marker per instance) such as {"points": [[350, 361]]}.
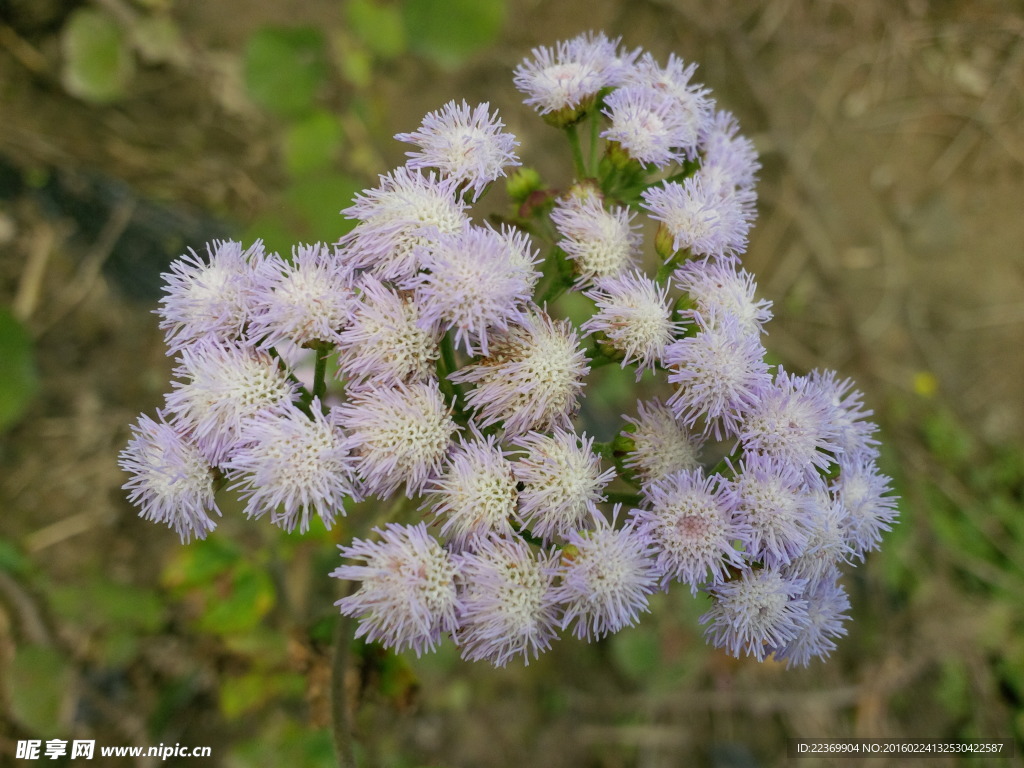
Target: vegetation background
{"points": [[889, 238]]}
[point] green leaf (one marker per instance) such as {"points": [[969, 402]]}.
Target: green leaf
{"points": [[100, 603], [12, 559], [285, 67], [239, 604], [251, 691], [39, 677], [97, 62], [379, 27], [312, 143], [316, 202], [448, 31], [18, 377]]}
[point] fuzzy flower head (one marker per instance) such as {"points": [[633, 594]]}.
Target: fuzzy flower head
{"points": [[602, 242], [509, 606], [399, 435], [223, 388], [386, 341], [827, 547], [209, 298], [719, 287], [560, 83], [661, 444], [293, 466], [607, 575], [532, 378], [691, 102], [854, 432], [730, 160], [171, 481], [463, 143], [476, 494], [700, 218], [407, 595], [634, 316], [562, 482], [475, 283], [648, 125], [692, 527], [827, 606], [756, 613], [406, 210], [306, 300], [864, 494]]}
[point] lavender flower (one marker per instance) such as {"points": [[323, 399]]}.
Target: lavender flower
{"points": [[693, 527], [607, 575], [864, 494], [508, 603], [700, 218], [407, 597], [464, 144], [719, 287], [756, 613], [532, 378], [827, 604], [661, 444], [601, 242], [730, 160], [171, 481], [293, 465], [690, 101], [562, 482], [649, 125], [398, 436], [854, 433]]}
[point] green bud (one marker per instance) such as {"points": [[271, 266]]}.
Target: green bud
{"points": [[522, 183]]}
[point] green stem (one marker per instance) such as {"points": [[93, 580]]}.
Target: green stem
{"points": [[320, 372], [577, 151], [341, 720], [447, 365], [595, 124]]}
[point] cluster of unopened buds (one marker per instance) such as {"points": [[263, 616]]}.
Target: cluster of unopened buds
{"points": [[444, 374]]}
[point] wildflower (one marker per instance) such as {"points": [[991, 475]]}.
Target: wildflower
{"points": [[171, 481], [693, 527], [827, 547], [649, 125], [601, 242], [293, 465], [532, 378], [854, 433], [211, 298], [476, 494], [827, 604], [863, 493], [634, 316], [661, 444], [719, 287], [399, 435], [385, 340], [407, 209], [407, 597], [690, 102], [607, 574], [730, 160], [464, 144], [562, 482], [509, 606], [304, 301], [755, 613], [474, 284], [224, 387], [720, 372], [699, 218]]}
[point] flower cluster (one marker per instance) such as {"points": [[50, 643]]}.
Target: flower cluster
{"points": [[459, 379]]}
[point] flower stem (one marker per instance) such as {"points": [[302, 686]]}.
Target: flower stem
{"points": [[320, 372], [341, 721], [577, 151]]}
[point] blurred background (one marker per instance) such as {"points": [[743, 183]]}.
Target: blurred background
{"points": [[889, 236]]}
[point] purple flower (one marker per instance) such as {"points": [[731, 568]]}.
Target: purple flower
{"points": [[649, 125], [476, 494], [700, 218], [607, 574], [693, 527], [385, 341], [399, 435], [756, 613], [718, 287], [293, 466], [690, 101], [171, 481], [864, 495], [720, 374], [634, 315], [509, 606], [601, 242], [475, 282], [562, 482], [224, 387], [661, 443], [730, 160], [827, 604], [406, 210], [531, 380], [827, 547], [854, 433], [464, 144], [210, 298], [408, 596]]}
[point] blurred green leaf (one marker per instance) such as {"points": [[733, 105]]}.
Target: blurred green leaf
{"points": [[97, 62], [377, 26], [249, 692], [316, 202], [158, 40], [12, 559], [39, 677], [100, 603], [450, 30], [285, 67], [284, 742], [312, 143], [18, 377], [237, 603]]}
